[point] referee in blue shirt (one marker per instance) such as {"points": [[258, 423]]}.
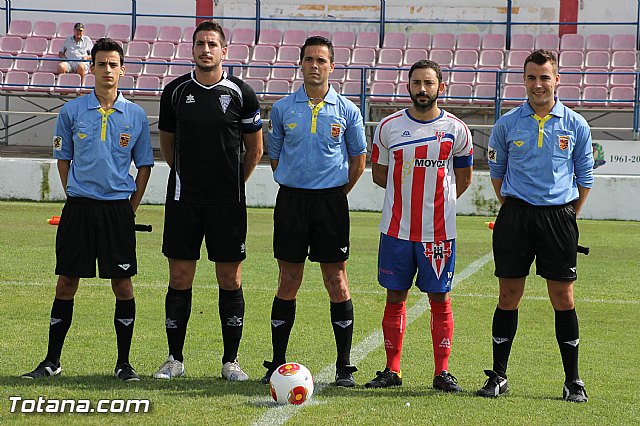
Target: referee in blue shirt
{"points": [[541, 166], [317, 148], [97, 136]]}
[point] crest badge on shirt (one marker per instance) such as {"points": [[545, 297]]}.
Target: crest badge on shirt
{"points": [[563, 142], [492, 155], [438, 254], [124, 139], [57, 143], [225, 100], [335, 130], [439, 135]]}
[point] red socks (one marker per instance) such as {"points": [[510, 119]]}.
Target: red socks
{"points": [[441, 334], [394, 323]]}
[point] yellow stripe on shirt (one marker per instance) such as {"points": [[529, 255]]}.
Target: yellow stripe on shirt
{"points": [[315, 109], [541, 122], [103, 127]]}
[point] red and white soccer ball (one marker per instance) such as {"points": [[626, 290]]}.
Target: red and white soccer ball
{"points": [[291, 383]]}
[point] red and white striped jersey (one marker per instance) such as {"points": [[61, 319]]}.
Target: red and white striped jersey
{"points": [[420, 198]]}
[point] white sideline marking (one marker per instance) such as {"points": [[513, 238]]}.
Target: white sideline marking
{"points": [[280, 415]]}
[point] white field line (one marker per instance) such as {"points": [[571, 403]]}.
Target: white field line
{"points": [[280, 415]]}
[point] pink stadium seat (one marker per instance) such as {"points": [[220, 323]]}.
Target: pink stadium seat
{"points": [[465, 58], [320, 33], [368, 39], [169, 34], [522, 42], [382, 92], [90, 83], [571, 59], [572, 42], [491, 58], [11, 45], [623, 42], [402, 93], [363, 56], [138, 49], [126, 84], [569, 95], [598, 42], [621, 59], [264, 53], [514, 94], [288, 74], [46, 29], [233, 68], [443, 41], [36, 46], [468, 41], [459, 90], [355, 74], [597, 59], [515, 77], [352, 90], [276, 89], [625, 94], [419, 41], [294, 38], [16, 81], [288, 54], [156, 67], [344, 39], [147, 85], [516, 58], [26, 62], [390, 57], [148, 33], [493, 42], [257, 86], [119, 32], [395, 40], [622, 77], [20, 28], [166, 80], [179, 67], [411, 56], [339, 74], [184, 51], [6, 63], [342, 56], [187, 35], [94, 31], [68, 83], [484, 91], [547, 41], [246, 36], [442, 57], [162, 50], [463, 75], [387, 75], [258, 71], [595, 96], [227, 34], [49, 63], [42, 82], [271, 37], [134, 67], [65, 29], [570, 76], [336, 86], [488, 76], [237, 52], [596, 77], [297, 84], [55, 46]]}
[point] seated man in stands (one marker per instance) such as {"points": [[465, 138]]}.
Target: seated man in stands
{"points": [[76, 46]]}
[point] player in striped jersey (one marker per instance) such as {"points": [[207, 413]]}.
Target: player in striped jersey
{"points": [[423, 156]]}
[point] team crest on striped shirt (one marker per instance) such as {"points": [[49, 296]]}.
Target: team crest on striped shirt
{"points": [[225, 100], [439, 135], [438, 254]]}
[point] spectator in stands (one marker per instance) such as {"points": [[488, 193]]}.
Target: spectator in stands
{"points": [[418, 224], [317, 148], [76, 48], [541, 165], [211, 138], [97, 136]]}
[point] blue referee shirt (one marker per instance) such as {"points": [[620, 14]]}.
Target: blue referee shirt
{"points": [[541, 160], [313, 144], [101, 145]]}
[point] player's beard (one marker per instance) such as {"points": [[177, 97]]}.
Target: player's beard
{"points": [[205, 68], [423, 106]]}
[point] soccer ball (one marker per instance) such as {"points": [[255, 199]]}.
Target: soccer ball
{"points": [[291, 383]]}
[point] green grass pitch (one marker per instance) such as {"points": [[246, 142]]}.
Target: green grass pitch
{"points": [[607, 300]]}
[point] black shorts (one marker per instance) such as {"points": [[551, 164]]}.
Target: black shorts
{"points": [[223, 226], [311, 222], [523, 231], [91, 229]]}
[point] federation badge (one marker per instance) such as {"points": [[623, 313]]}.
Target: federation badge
{"points": [[270, 126], [57, 143], [124, 139], [439, 136], [225, 100], [335, 130], [492, 155], [438, 254], [563, 142]]}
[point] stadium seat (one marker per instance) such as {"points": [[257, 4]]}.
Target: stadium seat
{"points": [[55, 46], [297, 84], [276, 89], [363, 56], [514, 94], [11, 45], [336, 86], [169, 34], [469, 41], [411, 56], [258, 71], [187, 35], [294, 38], [463, 75], [233, 68], [162, 50], [595, 96], [459, 90], [355, 73], [569, 95], [395, 40], [516, 58], [339, 74], [257, 86], [121, 32], [288, 54], [246, 36], [443, 41], [68, 83], [514, 77], [342, 56], [382, 92], [147, 85], [419, 41], [493, 42], [442, 57], [547, 41], [596, 77], [625, 94], [264, 53], [235, 52], [148, 33], [465, 58], [572, 42], [36, 46], [288, 73], [597, 59], [386, 75], [42, 82], [571, 76], [598, 42], [522, 42], [571, 59], [46, 29], [390, 57], [16, 81], [156, 67], [184, 51], [94, 31], [6, 63], [487, 75], [90, 83], [166, 80], [402, 93], [126, 84], [49, 63], [368, 39], [179, 67], [344, 39], [20, 28], [352, 90], [270, 37], [491, 58], [486, 91], [623, 42], [319, 33], [619, 59], [622, 77], [138, 49], [134, 67], [26, 62]]}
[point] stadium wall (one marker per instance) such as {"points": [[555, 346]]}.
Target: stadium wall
{"points": [[37, 180]]}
